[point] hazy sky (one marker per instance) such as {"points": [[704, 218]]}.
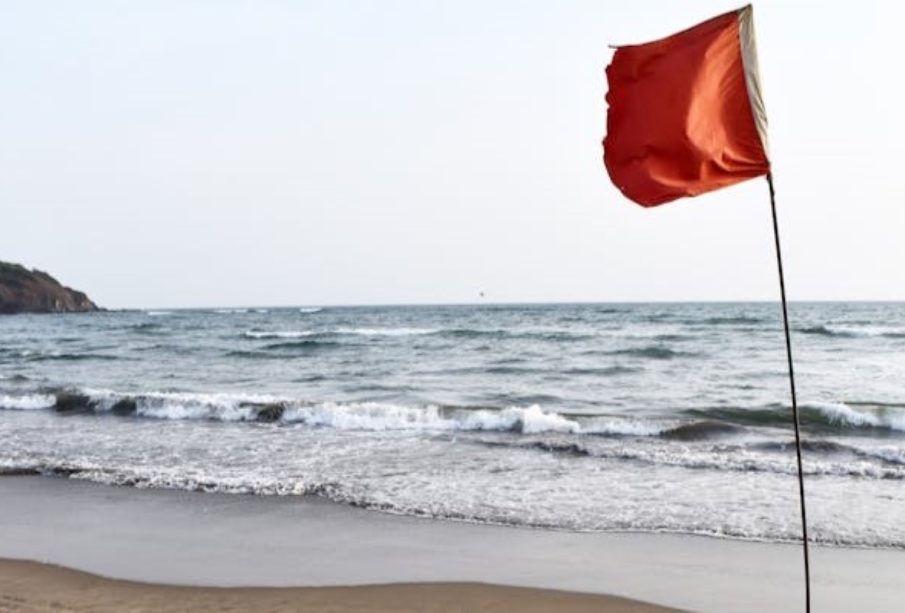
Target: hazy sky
{"points": [[202, 153]]}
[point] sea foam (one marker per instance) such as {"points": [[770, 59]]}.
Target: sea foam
{"points": [[27, 402]]}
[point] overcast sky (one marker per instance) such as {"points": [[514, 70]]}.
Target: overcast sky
{"points": [[204, 153]]}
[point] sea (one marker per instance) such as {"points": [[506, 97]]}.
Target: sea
{"points": [[656, 417]]}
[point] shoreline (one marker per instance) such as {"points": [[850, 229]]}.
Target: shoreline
{"points": [[179, 538]]}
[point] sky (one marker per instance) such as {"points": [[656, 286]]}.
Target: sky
{"points": [[194, 153]]}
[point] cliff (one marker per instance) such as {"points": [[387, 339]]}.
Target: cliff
{"points": [[33, 291]]}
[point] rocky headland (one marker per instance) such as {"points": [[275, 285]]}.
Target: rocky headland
{"points": [[33, 291]]}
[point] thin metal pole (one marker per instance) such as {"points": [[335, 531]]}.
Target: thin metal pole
{"points": [[785, 320]]}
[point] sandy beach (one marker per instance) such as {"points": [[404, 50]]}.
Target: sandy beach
{"points": [[30, 586], [181, 539]]}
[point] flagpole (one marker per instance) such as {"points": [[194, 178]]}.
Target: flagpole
{"points": [[795, 419]]}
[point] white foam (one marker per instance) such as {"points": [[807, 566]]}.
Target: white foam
{"points": [[381, 417], [863, 331], [309, 310], [28, 402], [840, 413], [158, 313], [888, 453], [531, 420], [622, 427], [371, 416]]}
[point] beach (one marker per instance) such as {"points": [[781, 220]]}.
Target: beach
{"points": [[355, 307], [455, 457], [29, 586], [180, 539]]}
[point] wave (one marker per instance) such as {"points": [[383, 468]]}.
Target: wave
{"points": [[817, 446], [623, 427], [570, 449], [828, 331], [243, 354], [67, 357], [735, 459], [144, 325], [606, 371], [288, 349], [385, 331], [275, 334], [493, 369], [262, 334], [339, 489], [888, 454], [730, 321], [306, 344], [144, 478], [832, 415], [522, 416], [513, 369], [310, 310], [17, 378], [653, 352], [699, 430], [672, 337], [852, 332], [503, 334], [456, 333], [876, 404], [370, 416]]}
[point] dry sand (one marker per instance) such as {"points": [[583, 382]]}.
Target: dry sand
{"points": [[30, 586]]}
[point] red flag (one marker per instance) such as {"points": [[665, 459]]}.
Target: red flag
{"points": [[686, 114]]}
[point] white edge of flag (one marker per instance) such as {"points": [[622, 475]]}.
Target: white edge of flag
{"points": [[752, 74]]}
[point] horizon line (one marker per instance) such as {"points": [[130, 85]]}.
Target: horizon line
{"points": [[497, 304]]}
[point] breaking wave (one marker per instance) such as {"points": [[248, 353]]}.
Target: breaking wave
{"points": [[370, 416], [696, 425], [834, 415]]}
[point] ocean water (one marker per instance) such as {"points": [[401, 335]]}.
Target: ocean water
{"points": [[591, 417]]}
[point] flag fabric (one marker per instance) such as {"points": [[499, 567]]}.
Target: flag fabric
{"points": [[686, 115]]}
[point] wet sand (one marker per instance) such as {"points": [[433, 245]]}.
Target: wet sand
{"points": [[177, 538]]}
